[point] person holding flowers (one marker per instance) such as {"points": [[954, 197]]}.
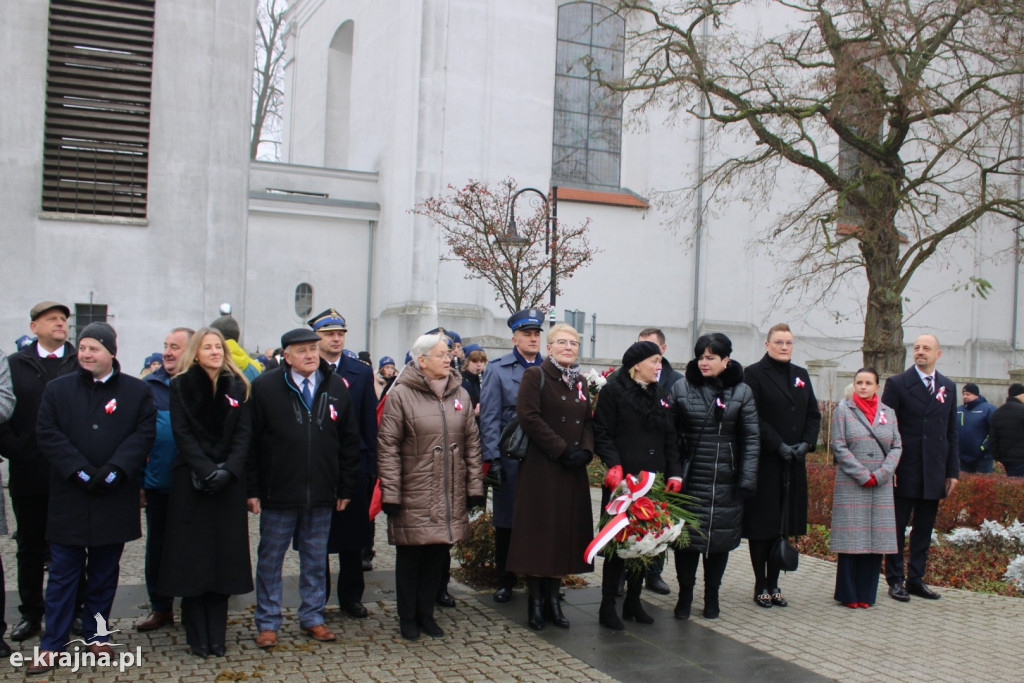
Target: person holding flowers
{"points": [[867, 447], [634, 432], [717, 419], [553, 523]]}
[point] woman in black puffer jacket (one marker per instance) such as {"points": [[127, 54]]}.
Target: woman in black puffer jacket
{"points": [[717, 423]]}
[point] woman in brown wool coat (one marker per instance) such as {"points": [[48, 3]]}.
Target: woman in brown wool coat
{"points": [[553, 522]]}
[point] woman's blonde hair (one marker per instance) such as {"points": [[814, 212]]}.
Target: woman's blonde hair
{"points": [[191, 355], [562, 327]]}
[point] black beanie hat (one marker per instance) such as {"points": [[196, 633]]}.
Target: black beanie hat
{"points": [[103, 333], [972, 388], [639, 351], [1015, 390]]}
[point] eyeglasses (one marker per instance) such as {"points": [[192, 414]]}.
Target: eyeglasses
{"points": [[566, 342], [441, 356], [784, 344]]}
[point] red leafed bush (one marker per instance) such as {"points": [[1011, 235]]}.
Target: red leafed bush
{"points": [[976, 498]]}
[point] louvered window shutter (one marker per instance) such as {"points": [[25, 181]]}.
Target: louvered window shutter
{"points": [[98, 92]]}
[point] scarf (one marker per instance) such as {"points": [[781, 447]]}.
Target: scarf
{"points": [[868, 406], [525, 363], [570, 375]]}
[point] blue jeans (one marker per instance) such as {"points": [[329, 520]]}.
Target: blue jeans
{"points": [[310, 529]]}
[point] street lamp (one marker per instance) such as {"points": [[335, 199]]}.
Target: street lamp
{"points": [[512, 236]]}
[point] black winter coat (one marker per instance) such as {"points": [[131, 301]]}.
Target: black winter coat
{"points": [[721, 452], [1008, 432], [788, 414], [29, 470], [634, 428], [83, 422], [301, 458], [206, 547]]}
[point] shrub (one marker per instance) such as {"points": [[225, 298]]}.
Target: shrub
{"points": [[979, 497], [821, 481], [476, 556]]}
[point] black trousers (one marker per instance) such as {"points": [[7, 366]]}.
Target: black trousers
{"points": [[766, 574], [351, 583], [857, 578], [418, 570], [502, 541], [714, 568], [923, 512], [157, 504], [205, 618], [30, 516]]}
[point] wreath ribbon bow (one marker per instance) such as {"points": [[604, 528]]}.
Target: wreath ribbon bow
{"points": [[636, 487]]}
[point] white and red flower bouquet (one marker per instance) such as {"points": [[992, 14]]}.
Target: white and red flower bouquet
{"points": [[642, 521]]}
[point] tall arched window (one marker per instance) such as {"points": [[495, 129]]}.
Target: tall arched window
{"points": [[303, 299], [588, 117], [339, 97]]}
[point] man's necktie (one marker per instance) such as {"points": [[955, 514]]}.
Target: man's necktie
{"points": [[930, 383], [307, 395], [52, 355]]}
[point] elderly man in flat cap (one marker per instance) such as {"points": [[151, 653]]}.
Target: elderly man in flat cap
{"points": [[95, 427], [32, 368], [304, 464], [351, 531]]}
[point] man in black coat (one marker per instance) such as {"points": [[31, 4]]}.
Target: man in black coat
{"points": [[1008, 432], [350, 528], [45, 359], [95, 427], [925, 404], [789, 421], [304, 463]]}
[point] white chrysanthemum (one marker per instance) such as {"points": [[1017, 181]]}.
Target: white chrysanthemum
{"points": [[1016, 531], [962, 537], [1015, 572]]}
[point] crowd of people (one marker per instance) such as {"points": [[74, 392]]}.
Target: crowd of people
{"points": [[309, 437]]}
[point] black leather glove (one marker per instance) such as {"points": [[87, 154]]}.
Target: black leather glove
{"points": [[575, 457], [390, 508], [216, 481], [108, 479], [495, 475], [85, 478], [786, 452], [801, 450], [475, 502]]}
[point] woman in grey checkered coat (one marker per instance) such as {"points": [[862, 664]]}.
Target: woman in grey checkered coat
{"points": [[867, 448]]}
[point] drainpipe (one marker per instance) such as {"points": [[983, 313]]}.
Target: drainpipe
{"points": [[699, 218], [371, 225]]}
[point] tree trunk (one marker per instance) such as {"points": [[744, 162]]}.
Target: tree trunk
{"points": [[883, 347]]}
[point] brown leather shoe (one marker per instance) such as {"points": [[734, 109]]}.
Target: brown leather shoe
{"points": [[155, 620], [102, 648], [320, 632], [266, 639], [42, 664]]}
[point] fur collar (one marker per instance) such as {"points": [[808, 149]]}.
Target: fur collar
{"points": [[209, 407], [644, 400], [730, 377]]}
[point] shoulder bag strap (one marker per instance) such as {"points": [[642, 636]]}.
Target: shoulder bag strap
{"points": [[860, 418]]}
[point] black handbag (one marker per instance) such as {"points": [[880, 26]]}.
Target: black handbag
{"points": [[513, 442], [783, 555]]}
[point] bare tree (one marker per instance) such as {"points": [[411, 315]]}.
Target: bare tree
{"points": [[898, 120], [473, 222], [267, 80]]}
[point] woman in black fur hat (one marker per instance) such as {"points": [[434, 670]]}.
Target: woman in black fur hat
{"points": [[633, 432]]}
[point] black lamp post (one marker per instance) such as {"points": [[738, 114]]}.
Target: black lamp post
{"points": [[550, 234]]}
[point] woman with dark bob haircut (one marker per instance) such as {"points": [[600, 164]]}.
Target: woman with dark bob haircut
{"points": [[717, 422]]}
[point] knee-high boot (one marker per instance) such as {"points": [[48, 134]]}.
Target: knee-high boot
{"points": [[632, 608], [553, 602], [535, 604], [607, 616]]}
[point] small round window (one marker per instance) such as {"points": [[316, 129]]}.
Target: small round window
{"points": [[304, 299]]}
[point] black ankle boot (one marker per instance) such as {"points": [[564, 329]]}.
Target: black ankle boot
{"points": [[711, 610], [682, 610], [632, 608], [535, 604], [607, 617], [553, 602]]}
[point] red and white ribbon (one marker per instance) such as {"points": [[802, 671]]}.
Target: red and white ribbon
{"points": [[882, 419], [111, 406], [718, 402], [457, 404], [618, 508], [579, 387], [799, 383], [346, 383], [334, 413], [940, 396], [231, 402]]}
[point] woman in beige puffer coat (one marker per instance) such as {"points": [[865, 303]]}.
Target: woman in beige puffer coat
{"points": [[428, 457]]}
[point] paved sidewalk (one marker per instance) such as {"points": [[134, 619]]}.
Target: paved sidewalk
{"points": [[966, 636]]}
